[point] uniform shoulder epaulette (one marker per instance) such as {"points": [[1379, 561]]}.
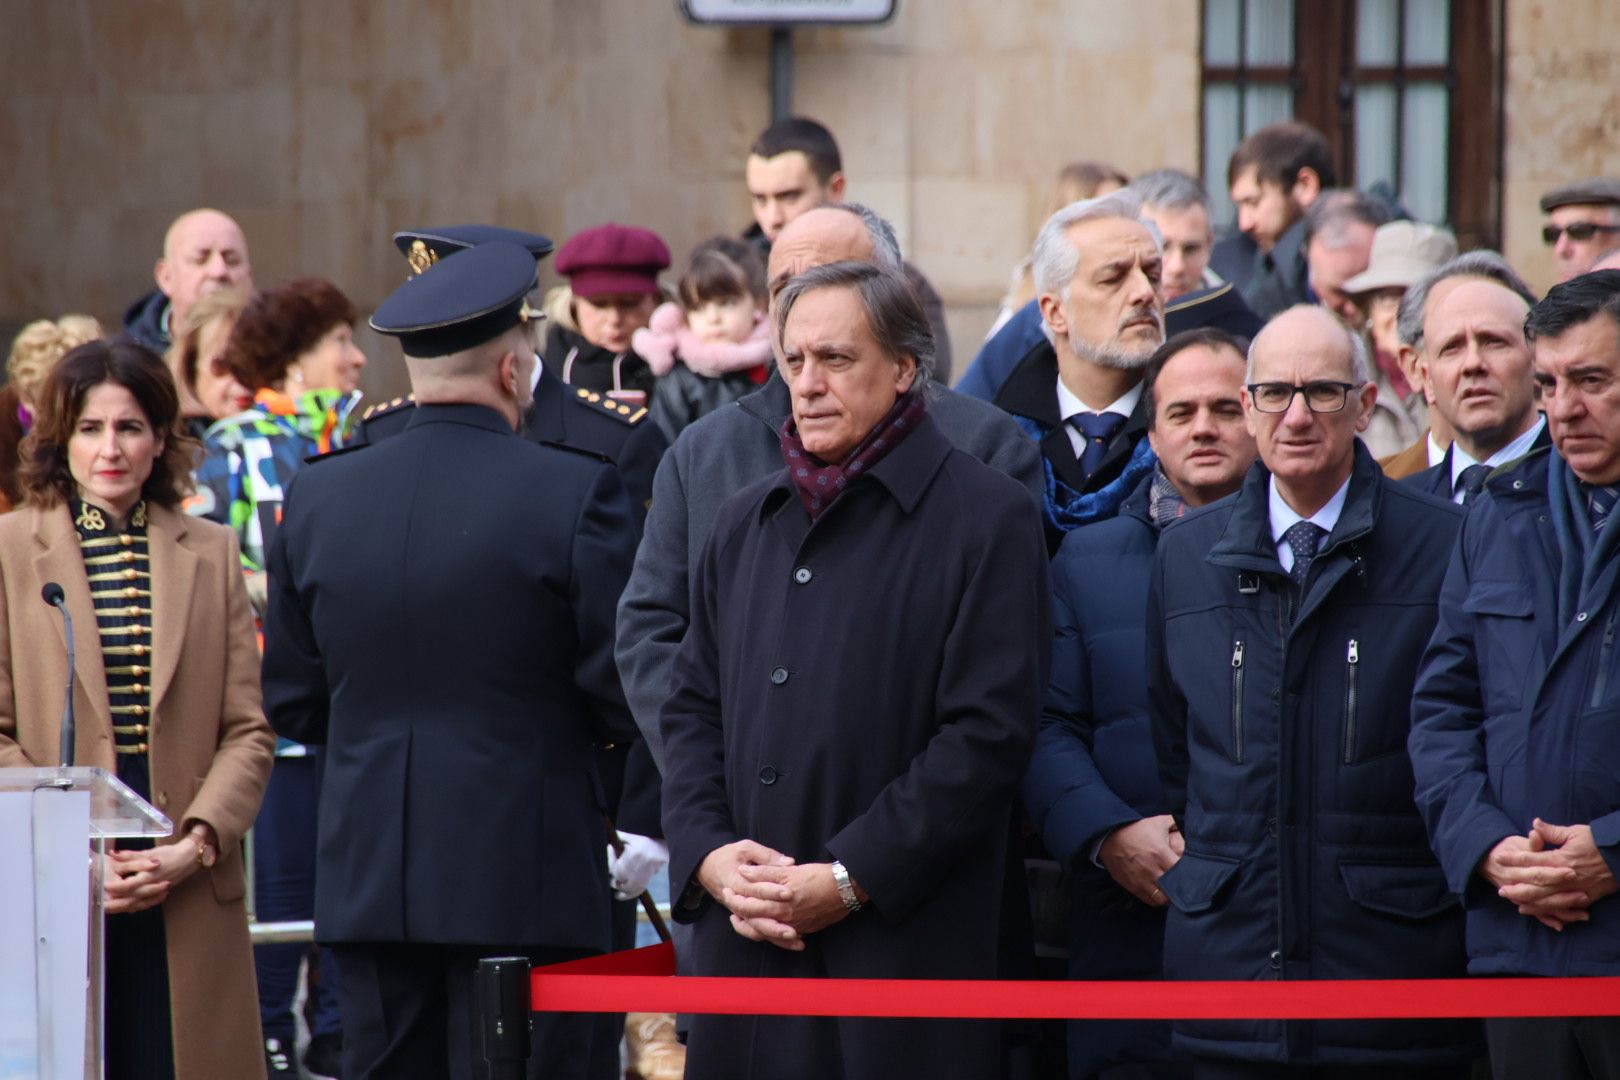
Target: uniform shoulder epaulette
{"points": [[594, 455], [383, 408], [601, 403]]}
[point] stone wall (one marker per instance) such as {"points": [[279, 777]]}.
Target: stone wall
{"points": [[1562, 114], [324, 125]]}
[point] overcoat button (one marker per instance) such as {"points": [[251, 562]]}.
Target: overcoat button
{"points": [[803, 575], [767, 776], [779, 676], [1276, 959]]}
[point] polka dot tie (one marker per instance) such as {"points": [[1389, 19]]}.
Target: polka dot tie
{"points": [[1302, 538], [1099, 430], [1471, 481]]}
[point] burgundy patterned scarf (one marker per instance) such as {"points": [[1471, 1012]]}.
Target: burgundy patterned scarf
{"points": [[818, 483]]}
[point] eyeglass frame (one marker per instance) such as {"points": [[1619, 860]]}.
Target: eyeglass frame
{"points": [[1550, 233], [1300, 390]]}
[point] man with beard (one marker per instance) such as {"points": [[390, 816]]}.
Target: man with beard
{"points": [[1097, 268], [1091, 789]]}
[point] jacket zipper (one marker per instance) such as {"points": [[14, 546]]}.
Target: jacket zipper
{"points": [[1352, 660], [1237, 700], [1605, 660]]}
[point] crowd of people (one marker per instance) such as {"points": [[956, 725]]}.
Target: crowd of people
{"points": [[1245, 610]]}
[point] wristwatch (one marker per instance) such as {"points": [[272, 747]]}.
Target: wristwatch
{"points": [[206, 854], [846, 890]]}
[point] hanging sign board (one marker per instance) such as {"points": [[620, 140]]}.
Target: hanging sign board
{"points": [[786, 12]]}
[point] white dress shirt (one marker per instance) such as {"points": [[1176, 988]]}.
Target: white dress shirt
{"points": [[1069, 405], [1437, 453], [1513, 451], [1284, 517]]}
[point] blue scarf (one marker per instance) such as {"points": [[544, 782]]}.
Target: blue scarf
{"points": [[1583, 552], [1066, 509]]}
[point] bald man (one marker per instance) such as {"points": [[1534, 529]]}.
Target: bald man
{"points": [[1284, 631], [734, 446], [204, 251]]}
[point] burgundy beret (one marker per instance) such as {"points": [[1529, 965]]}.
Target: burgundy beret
{"points": [[613, 259]]}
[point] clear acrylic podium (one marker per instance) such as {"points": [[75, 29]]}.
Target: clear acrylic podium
{"points": [[52, 820]]}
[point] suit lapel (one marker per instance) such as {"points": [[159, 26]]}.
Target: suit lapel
{"points": [[61, 560], [174, 574]]}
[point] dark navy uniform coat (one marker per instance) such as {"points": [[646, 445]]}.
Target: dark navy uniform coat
{"points": [[568, 416], [441, 618], [865, 688]]}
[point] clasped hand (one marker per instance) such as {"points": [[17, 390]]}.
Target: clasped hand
{"points": [[1554, 874], [770, 897], [136, 880]]}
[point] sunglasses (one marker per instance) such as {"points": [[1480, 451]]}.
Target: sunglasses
{"points": [[1579, 230]]}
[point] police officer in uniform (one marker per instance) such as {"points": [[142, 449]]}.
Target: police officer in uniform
{"points": [[441, 619], [562, 414]]}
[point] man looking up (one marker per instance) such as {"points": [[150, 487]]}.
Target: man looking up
{"points": [[1479, 370], [795, 166], [1514, 734], [1284, 627], [1097, 274], [1091, 787], [1274, 176], [1583, 222], [203, 251]]}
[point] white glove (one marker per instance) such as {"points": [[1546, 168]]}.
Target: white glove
{"points": [[643, 857]]}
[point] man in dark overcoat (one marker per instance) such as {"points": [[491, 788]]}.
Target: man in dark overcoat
{"points": [[854, 703], [1516, 717], [1093, 789], [448, 636], [1284, 630]]}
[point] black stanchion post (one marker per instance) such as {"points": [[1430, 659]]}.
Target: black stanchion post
{"points": [[503, 1014]]}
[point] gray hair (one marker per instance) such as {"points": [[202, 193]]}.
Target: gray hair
{"points": [[885, 245], [1331, 215], [1483, 263], [1169, 189], [893, 312], [1055, 258], [1360, 362]]}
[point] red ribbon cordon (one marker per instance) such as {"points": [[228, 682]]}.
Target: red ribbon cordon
{"points": [[644, 980]]}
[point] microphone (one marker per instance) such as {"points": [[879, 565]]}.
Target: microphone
{"points": [[53, 595]]}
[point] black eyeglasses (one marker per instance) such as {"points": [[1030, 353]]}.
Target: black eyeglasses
{"points": [[1320, 397], [1577, 230]]}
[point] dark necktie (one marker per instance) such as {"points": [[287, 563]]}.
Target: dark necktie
{"points": [[1302, 538], [1471, 481], [1099, 430], [1600, 503]]}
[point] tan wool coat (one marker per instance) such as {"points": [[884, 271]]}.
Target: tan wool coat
{"points": [[210, 745]]}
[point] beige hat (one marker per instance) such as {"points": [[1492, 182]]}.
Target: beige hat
{"points": [[1402, 252]]}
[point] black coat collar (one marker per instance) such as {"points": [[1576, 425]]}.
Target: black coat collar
{"points": [[478, 416], [1031, 392], [905, 472]]}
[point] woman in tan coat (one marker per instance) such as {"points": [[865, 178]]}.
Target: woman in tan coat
{"points": [[166, 695]]}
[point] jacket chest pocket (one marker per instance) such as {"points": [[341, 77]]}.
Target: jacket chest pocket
{"points": [[1352, 697], [1504, 636]]}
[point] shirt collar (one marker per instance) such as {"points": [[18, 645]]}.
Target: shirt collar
{"points": [[1437, 453], [1513, 451], [1284, 517], [1069, 405]]}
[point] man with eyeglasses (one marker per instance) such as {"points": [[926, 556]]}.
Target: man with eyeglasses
{"points": [[1284, 629], [1583, 222]]}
